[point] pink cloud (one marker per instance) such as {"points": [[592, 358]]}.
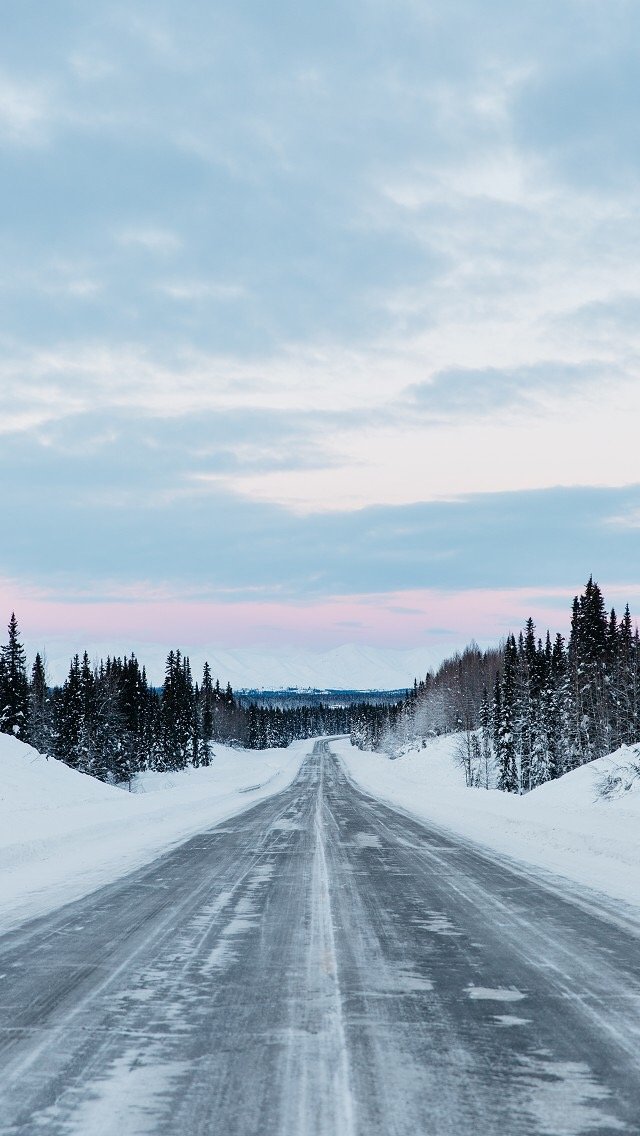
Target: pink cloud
{"points": [[429, 618]]}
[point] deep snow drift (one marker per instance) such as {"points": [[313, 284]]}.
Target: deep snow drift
{"points": [[62, 834], [563, 826]]}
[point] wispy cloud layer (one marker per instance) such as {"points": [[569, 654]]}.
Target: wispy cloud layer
{"points": [[262, 268]]}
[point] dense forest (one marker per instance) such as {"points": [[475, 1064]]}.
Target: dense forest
{"points": [[531, 710], [110, 721]]}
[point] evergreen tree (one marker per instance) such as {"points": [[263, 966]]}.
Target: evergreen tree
{"points": [[559, 716], [506, 748], [69, 714], [14, 685], [207, 718], [40, 731], [176, 714], [113, 757], [89, 759], [588, 659], [486, 747]]}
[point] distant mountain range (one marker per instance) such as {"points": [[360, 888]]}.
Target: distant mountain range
{"points": [[350, 667]]}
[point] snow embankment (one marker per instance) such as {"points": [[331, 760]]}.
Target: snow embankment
{"points": [[63, 834], [564, 826]]}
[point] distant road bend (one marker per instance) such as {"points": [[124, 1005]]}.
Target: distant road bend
{"points": [[321, 965]]}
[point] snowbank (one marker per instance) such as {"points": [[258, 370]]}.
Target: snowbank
{"points": [[62, 834], [563, 827]]}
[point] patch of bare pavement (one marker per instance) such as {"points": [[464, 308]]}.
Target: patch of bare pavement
{"points": [[321, 965]]}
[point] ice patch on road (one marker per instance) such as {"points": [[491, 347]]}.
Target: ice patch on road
{"points": [[131, 1098], [219, 958], [404, 981], [564, 1099], [244, 919], [510, 1020], [262, 873], [366, 840], [494, 994], [224, 951], [438, 924], [285, 825], [413, 983], [238, 925], [203, 920]]}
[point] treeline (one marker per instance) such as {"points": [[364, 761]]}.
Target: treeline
{"points": [[534, 708], [447, 700], [108, 720]]}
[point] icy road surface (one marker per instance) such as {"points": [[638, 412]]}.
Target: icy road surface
{"points": [[321, 965]]}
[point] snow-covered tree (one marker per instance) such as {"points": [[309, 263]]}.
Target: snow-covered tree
{"points": [[14, 685], [40, 717], [505, 726]]}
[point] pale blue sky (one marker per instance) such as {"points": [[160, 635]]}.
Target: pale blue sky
{"points": [[303, 301]]}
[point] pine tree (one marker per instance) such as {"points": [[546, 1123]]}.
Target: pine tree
{"points": [[206, 726], [69, 714], [496, 721], [525, 711], [588, 658], [506, 752], [541, 696], [559, 713], [486, 748], [177, 713], [14, 685], [89, 759], [112, 741], [40, 718]]}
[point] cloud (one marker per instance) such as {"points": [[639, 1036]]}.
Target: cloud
{"points": [[90, 66], [24, 112], [58, 278], [89, 531], [354, 433], [311, 277], [630, 519], [152, 240], [472, 394], [188, 291]]}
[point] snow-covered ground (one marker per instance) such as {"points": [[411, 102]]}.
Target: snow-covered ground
{"points": [[63, 834], [563, 827]]}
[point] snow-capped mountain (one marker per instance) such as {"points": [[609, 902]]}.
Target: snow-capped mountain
{"points": [[349, 667]]}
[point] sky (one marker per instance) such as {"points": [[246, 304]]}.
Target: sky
{"points": [[319, 323]]}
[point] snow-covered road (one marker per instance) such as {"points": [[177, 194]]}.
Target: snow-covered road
{"points": [[322, 965]]}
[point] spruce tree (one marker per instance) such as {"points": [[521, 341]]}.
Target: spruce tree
{"points": [[14, 685], [525, 709], [588, 659], [486, 748], [177, 713], [69, 714], [206, 725], [40, 727], [506, 755], [89, 759]]}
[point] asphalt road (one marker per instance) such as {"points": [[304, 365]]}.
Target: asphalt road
{"points": [[322, 966]]}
